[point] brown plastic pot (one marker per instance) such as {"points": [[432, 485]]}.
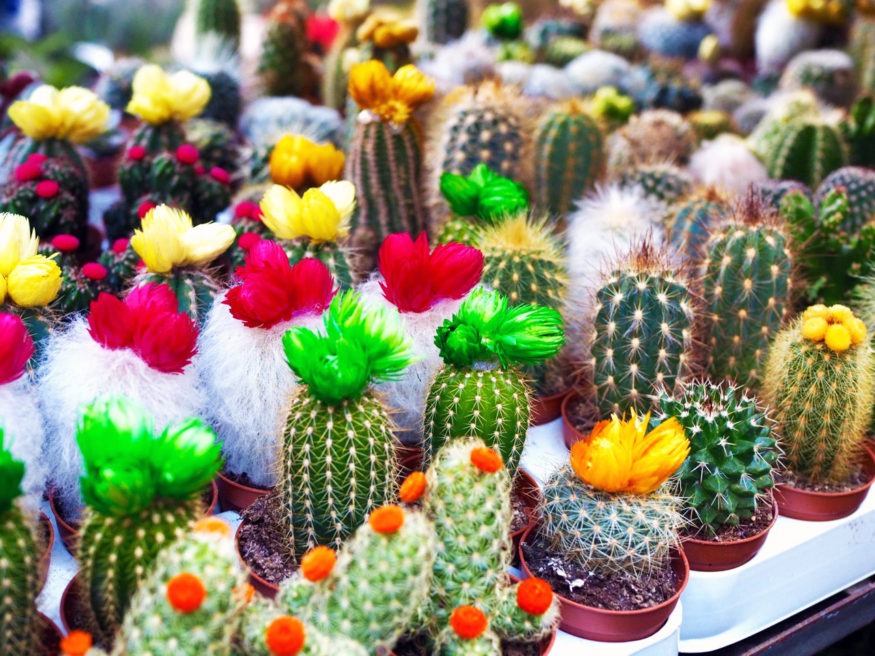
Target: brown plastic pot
{"points": [[709, 556], [262, 585], [617, 625], [49, 636], [526, 488], [410, 459], [546, 408], [236, 496], [69, 602], [46, 557], [547, 643], [825, 506], [570, 434]]}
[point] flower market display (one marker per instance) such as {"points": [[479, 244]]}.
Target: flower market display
{"points": [[431, 327]]}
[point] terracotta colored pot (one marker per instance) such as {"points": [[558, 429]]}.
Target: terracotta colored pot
{"points": [[526, 488], [617, 625], [263, 586], [49, 636], [708, 556], [825, 506], [236, 496], [546, 408], [70, 530], [570, 434], [46, 557]]}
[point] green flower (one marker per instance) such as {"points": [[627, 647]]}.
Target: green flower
{"points": [[484, 194]]}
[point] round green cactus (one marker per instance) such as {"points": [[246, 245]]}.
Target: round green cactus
{"points": [[858, 184], [664, 182], [806, 150], [221, 17], [691, 222]]}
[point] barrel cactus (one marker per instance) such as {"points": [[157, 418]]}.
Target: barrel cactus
{"points": [[691, 221], [221, 17], [858, 184], [666, 183], [807, 151]]}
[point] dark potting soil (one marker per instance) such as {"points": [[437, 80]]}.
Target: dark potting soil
{"points": [[615, 592], [43, 526], [417, 646], [262, 540], [858, 479], [746, 529], [582, 414]]}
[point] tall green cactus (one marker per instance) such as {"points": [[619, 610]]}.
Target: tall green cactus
{"points": [[479, 391], [862, 49], [338, 457], [642, 340], [284, 67], [142, 491], [821, 386], [747, 288], [221, 17], [806, 150], [691, 222], [569, 157], [445, 20]]}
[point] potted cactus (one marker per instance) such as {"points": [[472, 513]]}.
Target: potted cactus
{"points": [[820, 383], [727, 479], [611, 517]]}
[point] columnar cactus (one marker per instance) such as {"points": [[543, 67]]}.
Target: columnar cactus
{"points": [[858, 184], [142, 490], [221, 17], [284, 66], [859, 130], [81, 284], [191, 601], [820, 384], [338, 456], [747, 289], [444, 20], [385, 157], [642, 338], [610, 508], [733, 453], [569, 157], [807, 151], [479, 391], [692, 220]]}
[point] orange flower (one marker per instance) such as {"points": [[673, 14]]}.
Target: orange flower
{"points": [[412, 488], [469, 622], [212, 524], [387, 519], [392, 98], [621, 456], [534, 596], [186, 592], [76, 643], [285, 636], [486, 460], [318, 563]]}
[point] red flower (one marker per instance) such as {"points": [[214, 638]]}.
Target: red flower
{"points": [[27, 171], [247, 240], [220, 175], [321, 30], [272, 291], [36, 158], [187, 154], [166, 342], [94, 271], [110, 323], [144, 207], [47, 189], [415, 280], [16, 347], [152, 298], [65, 243], [119, 246], [136, 153]]}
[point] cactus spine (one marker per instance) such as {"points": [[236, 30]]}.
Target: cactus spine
{"points": [[445, 20], [642, 339], [221, 17], [806, 150], [820, 383], [747, 288], [569, 157]]}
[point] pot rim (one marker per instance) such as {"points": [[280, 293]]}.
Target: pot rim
{"points": [[866, 451]]}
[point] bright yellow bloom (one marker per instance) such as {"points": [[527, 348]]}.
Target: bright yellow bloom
{"points": [[321, 215], [814, 328], [818, 310], [17, 241], [687, 10], [167, 239], [392, 98], [296, 162], [822, 11], [387, 30], [73, 113], [2, 290], [159, 97], [621, 457], [835, 326], [34, 282], [837, 338]]}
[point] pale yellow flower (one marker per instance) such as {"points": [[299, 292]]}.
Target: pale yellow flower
{"points": [[17, 241], [342, 194], [73, 113], [158, 97], [34, 282], [320, 215], [167, 239]]}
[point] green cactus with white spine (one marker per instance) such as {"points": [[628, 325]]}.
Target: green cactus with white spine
{"points": [[858, 184], [569, 157], [284, 66], [194, 289], [821, 386], [747, 289], [642, 340], [733, 453], [338, 456], [142, 491], [162, 618], [445, 20], [479, 391], [807, 150], [663, 182], [692, 220], [221, 17]]}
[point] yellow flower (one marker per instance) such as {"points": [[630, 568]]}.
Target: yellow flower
{"points": [[392, 98], [621, 457], [167, 239], [36, 281], [17, 241], [2, 290], [73, 113], [814, 328], [320, 215], [822, 11], [687, 10], [387, 30], [837, 338], [296, 161], [159, 97], [835, 326]]}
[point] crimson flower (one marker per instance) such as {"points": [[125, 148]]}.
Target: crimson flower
{"points": [[16, 347], [322, 30], [416, 279], [272, 291]]}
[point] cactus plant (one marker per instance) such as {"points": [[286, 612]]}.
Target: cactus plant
{"points": [[284, 65], [569, 157], [142, 490], [820, 383], [829, 74], [80, 284], [859, 130], [860, 47], [221, 17], [121, 262], [338, 455], [444, 20], [642, 339], [733, 453], [662, 182], [807, 151], [479, 391], [692, 220], [656, 135], [858, 184], [747, 289]]}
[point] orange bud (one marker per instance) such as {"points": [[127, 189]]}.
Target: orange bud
{"points": [[76, 643], [412, 488], [285, 636], [186, 592], [534, 596], [486, 460], [469, 622], [387, 519], [212, 524]]}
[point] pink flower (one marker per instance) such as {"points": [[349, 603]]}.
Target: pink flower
{"points": [[247, 240], [322, 30], [136, 153], [187, 154], [65, 243], [37, 158], [94, 271], [220, 175], [27, 171], [119, 246], [47, 189], [144, 207], [16, 347]]}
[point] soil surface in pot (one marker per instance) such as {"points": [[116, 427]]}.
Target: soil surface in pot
{"points": [[616, 592], [800, 482], [746, 529], [262, 540], [582, 414], [416, 646], [42, 535]]}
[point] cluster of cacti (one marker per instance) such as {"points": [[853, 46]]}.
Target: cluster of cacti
{"points": [[479, 390], [569, 157], [733, 453], [285, 65], [642, 341], [829, 74], [216, 144], [142, 490], [692, 221], [80, 283], [676, 31], [654, 136], [666, 87]]}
